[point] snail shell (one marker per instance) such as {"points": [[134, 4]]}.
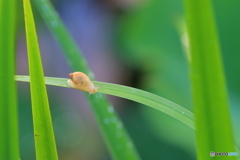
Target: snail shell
{"points": [[79, 80]]}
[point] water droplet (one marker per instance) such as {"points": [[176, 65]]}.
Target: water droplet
{"points": [[54, 24], [182, 112], [98, 96], [110, 109], [119, 125], [44, 7], [129, 145], [106, 120]]}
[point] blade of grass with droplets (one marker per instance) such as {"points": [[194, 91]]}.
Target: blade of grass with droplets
{"points": [[214, 129], [133, 94], [114, 133], [9, 144], [43, 130]]}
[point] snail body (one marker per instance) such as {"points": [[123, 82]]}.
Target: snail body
{"points": [[79, 80]]}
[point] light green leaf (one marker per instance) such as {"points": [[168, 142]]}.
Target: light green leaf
{"points": [[214, 129], [9, 144], [120, 147], [42, 123], [133, 94]]}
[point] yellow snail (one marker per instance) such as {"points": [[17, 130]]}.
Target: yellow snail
{"points": [[81, 81]]}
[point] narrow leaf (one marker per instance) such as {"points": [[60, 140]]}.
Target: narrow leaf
{"points": [[214, 128], [9, 145], [120, 147], [43, 129], [133, 94]]}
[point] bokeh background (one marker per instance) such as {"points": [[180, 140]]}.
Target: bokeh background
{"points": [[138, 43]]}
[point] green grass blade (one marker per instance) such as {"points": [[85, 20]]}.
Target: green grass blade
{"points": [[214, 129], [120, 147], [133, 94], [43, 130], [9, 144]]}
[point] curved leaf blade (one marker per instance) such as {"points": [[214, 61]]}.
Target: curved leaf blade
{"points": [[133, 94]]}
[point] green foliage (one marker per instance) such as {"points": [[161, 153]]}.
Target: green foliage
{"points": [[133, 94], [9, 149], [209, 91], [147, 40], [43, 130], [118, 146]]}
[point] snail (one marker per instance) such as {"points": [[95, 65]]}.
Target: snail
{"points": [[79, 80]]}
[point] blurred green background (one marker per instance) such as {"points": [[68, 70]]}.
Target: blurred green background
{"points": [[130, 42]]}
